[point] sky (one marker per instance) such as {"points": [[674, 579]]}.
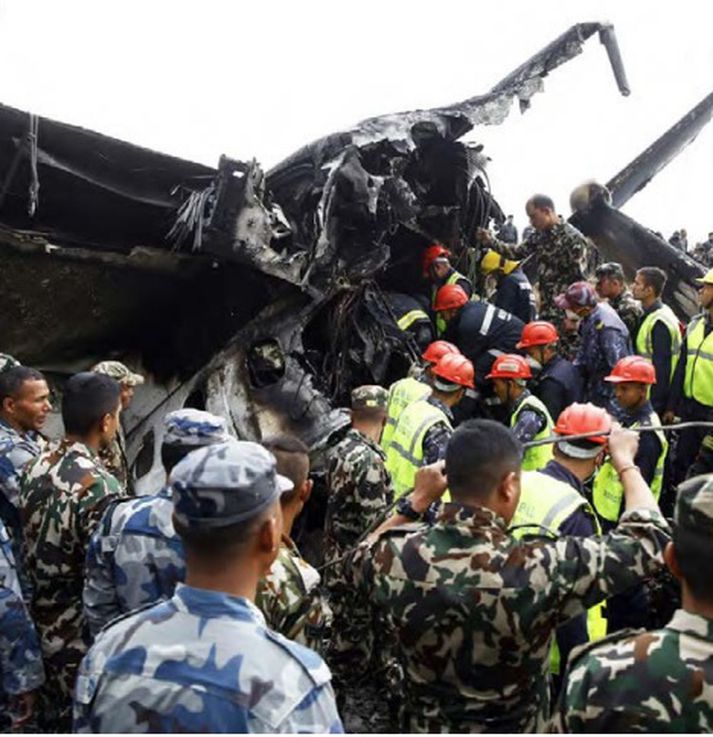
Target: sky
{"points": [[260, 79]]}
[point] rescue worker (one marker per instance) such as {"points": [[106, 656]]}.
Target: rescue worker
{"points": [[604, 340], [529, 418], [703, 252], [557, 382], [692, 385], [507, 232], [659, 337], [212, 665], [424, 428], [514, 291], [632, 378], [555, 502], [412, 388], [113, 456], [480, 330], [438, 270], [611, 286], [412, 317], [658, 681], [474, 610]]}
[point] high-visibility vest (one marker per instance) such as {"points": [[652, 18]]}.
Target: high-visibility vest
{"points": [[698, 379], [545, 503], [407, 320], [454, 278], [608, 491], [405, 454], [402, 393], [644, 341], [539, 456]]}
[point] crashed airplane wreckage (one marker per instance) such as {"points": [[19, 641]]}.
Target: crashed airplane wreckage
{"points": [[263, 298]]}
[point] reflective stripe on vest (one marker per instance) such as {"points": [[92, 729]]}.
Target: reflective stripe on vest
{"points": [[539, 456], [407, 320], [402, 393], [454, 278], [608, 491], [545, 503], [405, 453], [698, 380], [644, 341]]}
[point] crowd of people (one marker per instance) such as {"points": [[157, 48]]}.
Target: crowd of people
{"points": [[495, 534]]}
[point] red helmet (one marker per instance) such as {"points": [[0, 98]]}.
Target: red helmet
{"points": [[435, 351], [538, 333], [449, 296], [582, 418], [510, 366], [633, 368], [431, 254], [456, 369]]}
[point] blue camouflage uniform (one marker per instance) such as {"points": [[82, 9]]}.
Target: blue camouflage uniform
{"points": [[20, 656], [204, 661]]}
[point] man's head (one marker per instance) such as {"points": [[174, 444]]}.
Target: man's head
{"points": [[632, 376], [509, 374], [510, 218], [583, 456], [610, 280], [292, 457], [452, 375], [691, 551], [580, 299], [24, 398], [435, 262], [539, 340], [450, 299], [186, 430], [483, 461], [540, 210], [226, 500], [705, 291], [710, 236], [90, 408], [434, 353], [648, 284], [369, 404], [126, 378]]}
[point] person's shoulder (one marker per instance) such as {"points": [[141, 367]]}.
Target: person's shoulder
{"points": [[144, 514]]}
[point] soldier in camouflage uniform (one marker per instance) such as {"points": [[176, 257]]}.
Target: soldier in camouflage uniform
{"points": [[204, 661], [360, 492], [474, 611], [135, 556], [63, 495], [21, 667], [660, 681], [114, 455], [611, 286]]}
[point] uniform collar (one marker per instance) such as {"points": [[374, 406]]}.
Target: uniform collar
{"points": [[8, 430], [691, 624], [657, 305], [358, 435], [474, 517], [209, 604], [65, 447], [555, 470], [643, 413], [516, 404], [439, 405]]}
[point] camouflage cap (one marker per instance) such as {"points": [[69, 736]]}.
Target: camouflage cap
{"points": [[225, 483], [370, 396], [8, 362], [579, 294], [694, 505], [118, 371], [611, 268], [193, 427]]}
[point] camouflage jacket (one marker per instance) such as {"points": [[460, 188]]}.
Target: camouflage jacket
{"points": [[134, 558], [290, 598], [658, 681], [64, 492], [474, 610], [113, 458], [202, 661], [629, 310], [20, 657], [563, 256]]}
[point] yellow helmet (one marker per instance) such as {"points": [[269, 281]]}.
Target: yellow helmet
{"points": [[492, 260], [707, 279]]}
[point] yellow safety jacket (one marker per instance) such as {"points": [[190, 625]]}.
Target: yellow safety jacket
{"points": [[698, 379], [402, 393], [539, 456], [454, 278], [644, 341], [407, 320], [405, 453], [545, 503], [608, 491]]}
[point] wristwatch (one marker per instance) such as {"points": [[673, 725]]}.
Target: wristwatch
{"points": [[405, 509]]}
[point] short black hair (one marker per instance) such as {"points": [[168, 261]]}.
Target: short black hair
{"points": [[654, 277], [292, 457], [693, 552], [542, 202], [87, 398], [12, 379], [479, 454]]}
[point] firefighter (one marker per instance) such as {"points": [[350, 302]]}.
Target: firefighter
{"points": [[529, 418], [514, 292], [438, 270], [412, 316]]}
